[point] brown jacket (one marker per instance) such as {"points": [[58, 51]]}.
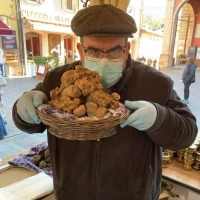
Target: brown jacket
{"points": [[128, 165]]}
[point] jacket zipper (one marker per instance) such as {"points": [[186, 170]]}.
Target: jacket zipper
{"points": [[151, 172], [96, 170]]}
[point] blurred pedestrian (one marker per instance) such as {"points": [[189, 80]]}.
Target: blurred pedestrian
{"points": [[3, 84], [149, 61], [2, 128], [188, 78], [154, 63], [1, 61]]}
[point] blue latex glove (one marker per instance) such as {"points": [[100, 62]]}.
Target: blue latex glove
{"points": [[144, 116], [26, 106]]}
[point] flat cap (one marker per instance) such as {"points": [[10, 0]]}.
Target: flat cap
{"points": [[103, 20]]}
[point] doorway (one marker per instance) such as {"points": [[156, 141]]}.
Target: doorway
{"points": [[184, 34], [33, 45], [68, 49]]}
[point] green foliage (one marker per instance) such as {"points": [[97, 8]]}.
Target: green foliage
{"points": [[50, 61], [183, 56], [153, 22]]}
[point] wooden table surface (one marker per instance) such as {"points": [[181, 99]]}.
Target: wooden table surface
{"points": [[14, 174], [177, 174], [173, 173]]}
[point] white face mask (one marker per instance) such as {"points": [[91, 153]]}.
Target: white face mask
{"points": [[111, 72]]}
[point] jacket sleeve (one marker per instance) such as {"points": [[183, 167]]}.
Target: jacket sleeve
{"points": [[20, 124], [175, 127], [28, 128]]}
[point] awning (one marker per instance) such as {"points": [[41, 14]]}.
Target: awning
{"points": [[48, 27], [4, 29]]}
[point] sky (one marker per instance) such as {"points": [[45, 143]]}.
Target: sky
{"points": [[155, 3], [155, 7]]}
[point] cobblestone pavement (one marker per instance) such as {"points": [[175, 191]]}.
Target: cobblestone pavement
{"points": [[17, 140]]}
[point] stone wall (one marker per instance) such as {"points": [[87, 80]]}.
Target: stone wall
{"points": [[166, 48]]}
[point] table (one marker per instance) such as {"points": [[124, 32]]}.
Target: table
{"points": [[173, 173], [15, 174], [177, 174]]}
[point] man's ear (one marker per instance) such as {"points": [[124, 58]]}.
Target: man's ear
{"points": [[128, 46], [80, 51]]}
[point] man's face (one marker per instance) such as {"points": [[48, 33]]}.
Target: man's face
{"points": [[104, 44]]}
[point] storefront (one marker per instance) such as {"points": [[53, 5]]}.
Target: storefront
{"points": [[9, 40], [47, 34]]}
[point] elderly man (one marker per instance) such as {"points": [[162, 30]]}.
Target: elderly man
{"points": [[127, 165]]}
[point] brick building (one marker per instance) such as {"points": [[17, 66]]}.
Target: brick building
{"points": [[181, 32]]}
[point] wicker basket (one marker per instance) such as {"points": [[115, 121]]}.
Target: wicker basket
{"points": [[83, 129]]}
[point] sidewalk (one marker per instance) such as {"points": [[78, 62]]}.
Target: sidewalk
{"points": [[194, 100], [17, 140]]}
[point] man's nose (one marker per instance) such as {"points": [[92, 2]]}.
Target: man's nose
{"points": [[105, 55]]}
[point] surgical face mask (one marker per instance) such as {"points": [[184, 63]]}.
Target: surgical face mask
{"points": [[111, 72]]}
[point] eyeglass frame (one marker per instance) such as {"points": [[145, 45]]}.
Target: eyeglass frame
{"points": [[102, 52]]}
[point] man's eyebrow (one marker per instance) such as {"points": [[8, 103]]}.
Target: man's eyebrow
{"points": [[114, 48]]}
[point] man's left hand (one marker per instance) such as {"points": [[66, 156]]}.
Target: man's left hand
{"points": [[144, 116]]}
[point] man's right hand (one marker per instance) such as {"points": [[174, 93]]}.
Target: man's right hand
{"points": [[26, 106]]}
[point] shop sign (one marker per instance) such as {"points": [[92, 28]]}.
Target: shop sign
{"points": [[9, 42], [191, 51], [40, 16]]}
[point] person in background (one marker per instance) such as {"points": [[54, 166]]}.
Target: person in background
{"points": [[149, 61], [3, 120], [1, 62], [3, 84], [188, 78], [3, 131], [127, 165], [154, 63]]}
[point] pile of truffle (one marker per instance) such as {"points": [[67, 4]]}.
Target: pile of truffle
{"points": [[81, 93], [42, 160]]}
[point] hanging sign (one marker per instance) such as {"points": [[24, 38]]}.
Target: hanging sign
{"points": [[191, 52]]}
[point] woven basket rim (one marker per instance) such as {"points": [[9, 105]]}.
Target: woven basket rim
{"points": [[82, 129]]}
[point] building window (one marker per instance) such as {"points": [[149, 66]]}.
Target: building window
{"points": [[67, 4], [32, 45], [35, 1]]}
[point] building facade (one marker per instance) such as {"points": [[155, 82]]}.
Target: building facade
{"points": [[150, 46], [181, 32], [11, 44], [47, 31]]}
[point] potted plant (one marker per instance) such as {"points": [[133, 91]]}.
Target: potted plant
{"points": [[50, 61]]}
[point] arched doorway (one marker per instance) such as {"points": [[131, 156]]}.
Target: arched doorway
{"points": [[184, 33]]}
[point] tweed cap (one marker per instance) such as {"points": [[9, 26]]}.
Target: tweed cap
{"points": [[103, 20]]}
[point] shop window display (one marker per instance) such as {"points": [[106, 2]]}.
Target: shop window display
{"points": [[32, 45]]}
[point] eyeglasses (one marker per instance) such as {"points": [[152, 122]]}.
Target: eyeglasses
{"points": [[96, 55]]}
